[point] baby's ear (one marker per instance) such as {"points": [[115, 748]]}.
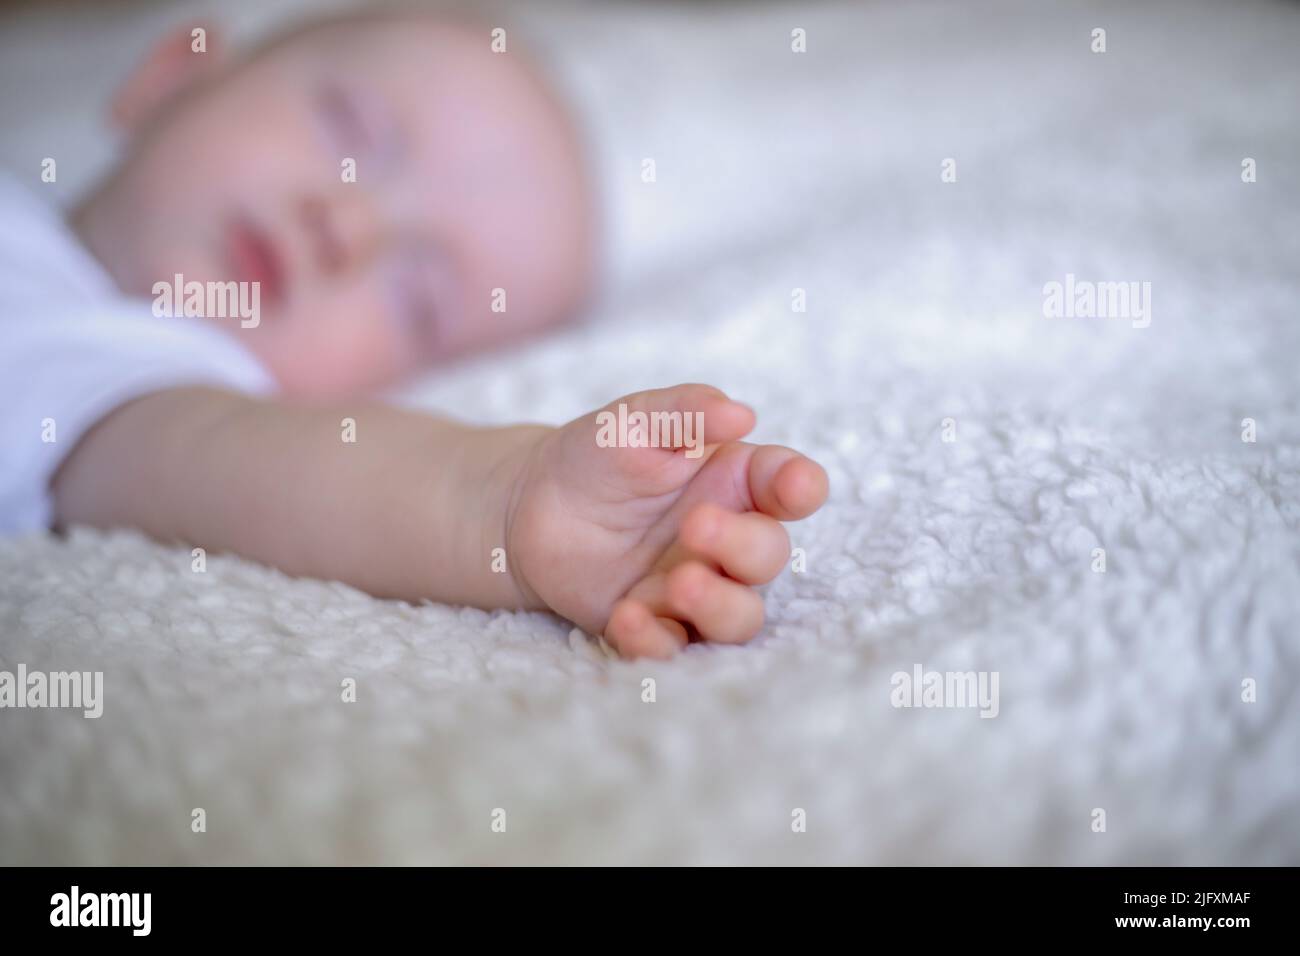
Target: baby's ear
{"points": [[175, 62]]}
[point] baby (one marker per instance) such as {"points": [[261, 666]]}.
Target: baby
{"points": [[383, 180]]}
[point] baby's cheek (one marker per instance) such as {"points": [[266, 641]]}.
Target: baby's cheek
{"points": [[325, 352]]}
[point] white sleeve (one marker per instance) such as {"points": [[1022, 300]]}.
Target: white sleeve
{"points": [[72, 349], [61, 373]]}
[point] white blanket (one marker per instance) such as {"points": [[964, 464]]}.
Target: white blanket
{"points": [[1161, 690]]}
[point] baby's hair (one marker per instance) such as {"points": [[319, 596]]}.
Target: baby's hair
{"points": [[475, 17], [462, 12], [471, 16]]}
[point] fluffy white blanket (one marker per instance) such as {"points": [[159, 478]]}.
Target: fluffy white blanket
{"points": [[1119, 690]]}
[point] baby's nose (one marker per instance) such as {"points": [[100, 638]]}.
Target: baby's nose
{"points": [[341, 231]]}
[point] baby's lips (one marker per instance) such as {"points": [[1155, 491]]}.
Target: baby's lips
{"points": [[253, 257]]}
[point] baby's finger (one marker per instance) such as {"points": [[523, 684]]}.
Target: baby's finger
{"points": [[684, 416], [751, 547], [721, 610], [785, 484], [634, 632]]}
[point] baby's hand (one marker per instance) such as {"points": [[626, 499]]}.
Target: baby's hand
{"points": [[652, 546]]}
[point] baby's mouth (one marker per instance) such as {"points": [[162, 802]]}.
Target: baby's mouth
{"points": [[253, 258]]}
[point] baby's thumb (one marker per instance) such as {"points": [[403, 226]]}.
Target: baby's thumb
{"points": [[683, 418]]}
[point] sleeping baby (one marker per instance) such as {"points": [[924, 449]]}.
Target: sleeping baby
{"points": [[366, 196]]}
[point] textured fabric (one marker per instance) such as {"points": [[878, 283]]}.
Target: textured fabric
{"points": [[1120, 690]]}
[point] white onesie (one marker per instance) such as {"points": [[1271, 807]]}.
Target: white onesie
{"points": [[73, 348]]}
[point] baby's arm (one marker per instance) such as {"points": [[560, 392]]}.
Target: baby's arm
{"points": [[650, 545], [412, 509]]}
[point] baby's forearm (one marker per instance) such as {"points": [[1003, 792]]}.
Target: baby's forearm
{"points": [[413, 508]]}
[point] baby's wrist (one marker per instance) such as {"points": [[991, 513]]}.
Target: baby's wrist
{"points": [[507, 478]]}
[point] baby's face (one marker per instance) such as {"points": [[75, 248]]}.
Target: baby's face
{"points": [[468, 179]]}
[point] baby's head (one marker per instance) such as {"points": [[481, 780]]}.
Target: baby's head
{"points": [[468, 179]]}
